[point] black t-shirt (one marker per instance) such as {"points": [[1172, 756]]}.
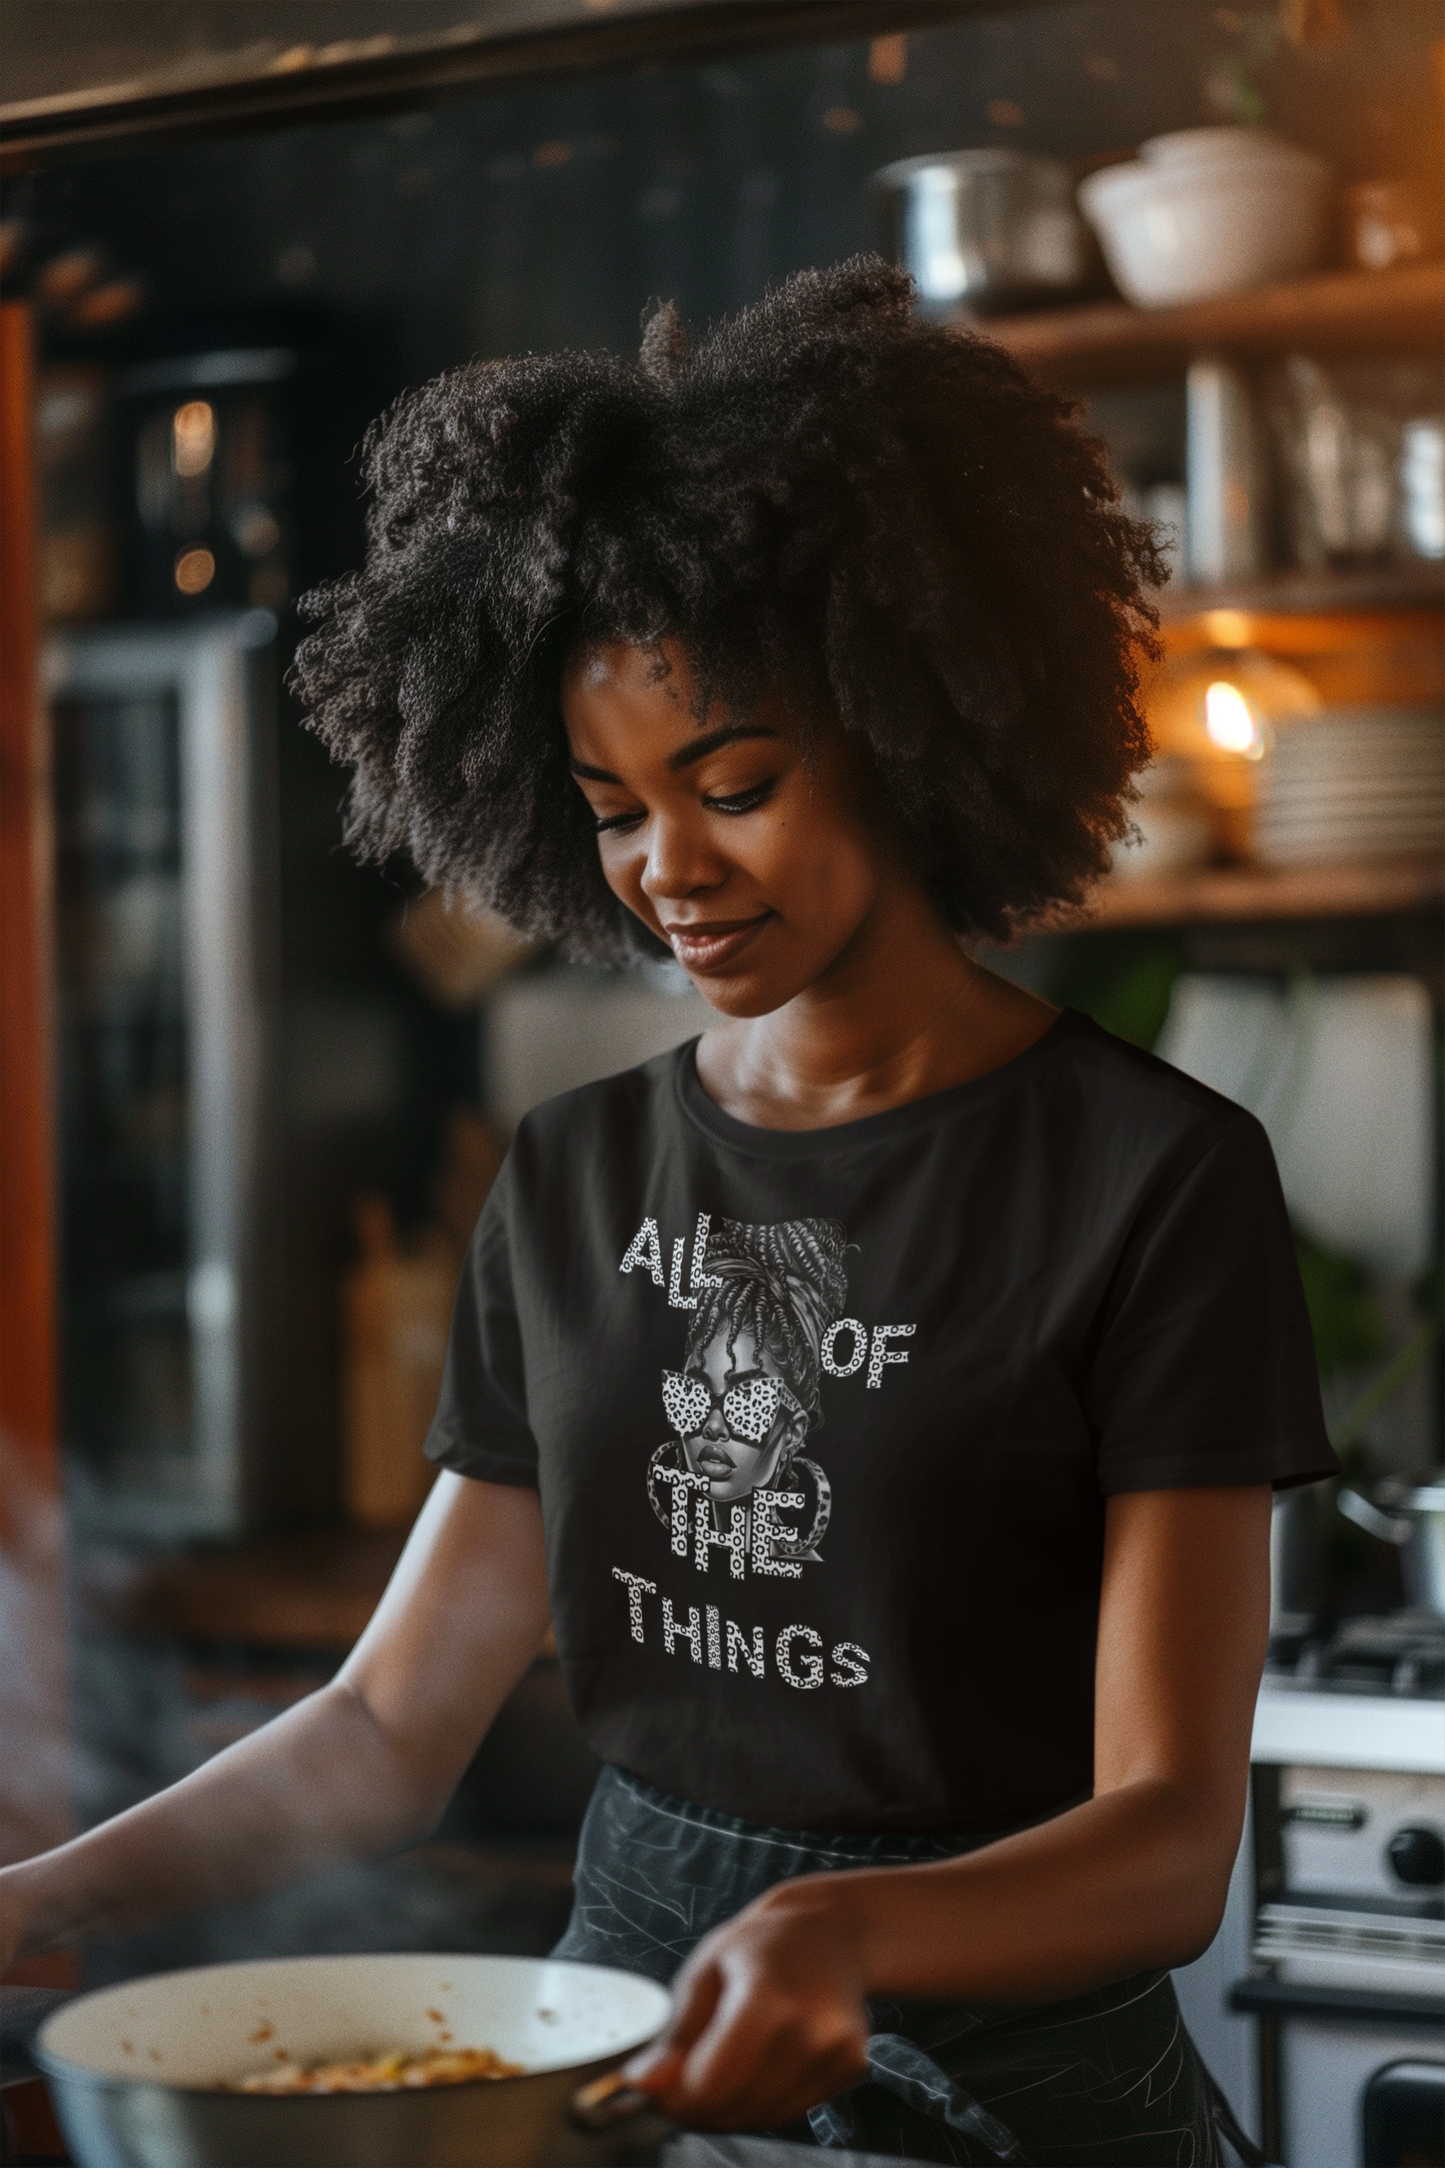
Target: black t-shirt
{"points": [[823, 1421]]}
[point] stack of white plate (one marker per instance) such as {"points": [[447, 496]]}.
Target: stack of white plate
{"points": [[1353, 783]]}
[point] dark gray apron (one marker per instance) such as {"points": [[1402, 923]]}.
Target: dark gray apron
{"points": [[1111, 2077]]}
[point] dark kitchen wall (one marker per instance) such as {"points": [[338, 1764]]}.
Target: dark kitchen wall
{"points": [[541, 216]]}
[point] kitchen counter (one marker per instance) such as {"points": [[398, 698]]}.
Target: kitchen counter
{"points": [[1349, 1731]]}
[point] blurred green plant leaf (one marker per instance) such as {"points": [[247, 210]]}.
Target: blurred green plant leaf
{"points": [[1123, 981], [1346, 1321]]}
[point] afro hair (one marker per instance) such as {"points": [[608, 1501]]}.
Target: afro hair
{"points": [[881, 517]]}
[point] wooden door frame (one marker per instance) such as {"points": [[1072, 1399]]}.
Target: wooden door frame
{"points": [[35, 1777], [28, 1381]]}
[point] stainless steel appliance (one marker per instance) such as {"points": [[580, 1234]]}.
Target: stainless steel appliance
{"points": [[1346, 1981], [210, 441], [165, 840]]}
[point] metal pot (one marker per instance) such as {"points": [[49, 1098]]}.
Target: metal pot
{"points": [[986, 229], [136, 2072], [1415, 1523]]}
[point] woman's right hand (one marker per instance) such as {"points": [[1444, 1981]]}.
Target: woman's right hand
{"points": [[769, 2013]]}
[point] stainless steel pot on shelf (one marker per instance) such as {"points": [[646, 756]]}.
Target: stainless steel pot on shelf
{"points": [[986, 230]]}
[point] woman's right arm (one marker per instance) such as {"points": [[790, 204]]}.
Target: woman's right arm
{"points": [[365, 1764]]}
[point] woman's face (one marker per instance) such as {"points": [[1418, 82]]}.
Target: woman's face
{"points": [[731, 1467], [757, 867]]}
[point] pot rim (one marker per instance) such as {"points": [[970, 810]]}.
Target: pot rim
{"points": [[987, 158], [1133, 183], [60, 2065]]}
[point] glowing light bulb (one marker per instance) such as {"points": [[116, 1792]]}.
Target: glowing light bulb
{"points": [[1230, 720], [193, 438], [194, 571]]}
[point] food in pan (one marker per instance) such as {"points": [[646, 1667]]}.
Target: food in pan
{"points": [[391, 2073]]}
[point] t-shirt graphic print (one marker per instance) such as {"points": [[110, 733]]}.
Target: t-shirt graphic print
{"points": [[768, 1320], [824, 1423], [745, 1401]]}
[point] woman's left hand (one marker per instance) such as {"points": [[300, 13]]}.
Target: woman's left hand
{"points": [[768, 2015]]}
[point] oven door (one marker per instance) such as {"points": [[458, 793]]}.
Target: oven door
{"points": [[1403, 2115], [1348, 2080]]}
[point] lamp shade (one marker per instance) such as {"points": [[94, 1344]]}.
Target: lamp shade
{"points": [[1220, 709]]}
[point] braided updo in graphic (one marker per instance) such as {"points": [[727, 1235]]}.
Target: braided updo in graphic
{"points": [[784, 1283]]}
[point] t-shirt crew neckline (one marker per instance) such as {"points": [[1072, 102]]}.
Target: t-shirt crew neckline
{"points": [[868, 1130]]}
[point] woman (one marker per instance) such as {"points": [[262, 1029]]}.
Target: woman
{"points": [[743, 1404], [798, 658]]}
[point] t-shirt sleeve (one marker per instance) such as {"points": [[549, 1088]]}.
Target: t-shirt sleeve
{"points": [[1204, 1370], [480, 1427]]}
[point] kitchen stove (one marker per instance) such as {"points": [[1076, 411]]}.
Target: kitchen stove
{"points": [[1402, 1654], [1346, 1948]]}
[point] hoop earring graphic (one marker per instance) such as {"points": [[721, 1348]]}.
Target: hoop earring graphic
{"points": [[822, 1508], [663, 1507]]}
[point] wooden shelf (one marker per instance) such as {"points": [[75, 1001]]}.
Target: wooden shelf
{"points": [[1293, 593], [1219, 895], [1332, 312]]}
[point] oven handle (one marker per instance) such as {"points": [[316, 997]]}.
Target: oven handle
{"points": [[1261, 1996]]}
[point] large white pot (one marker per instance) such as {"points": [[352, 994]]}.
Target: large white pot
{"points": [[1189, 221], [137, 2072]]}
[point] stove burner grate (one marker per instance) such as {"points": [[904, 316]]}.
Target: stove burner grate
{"points": [[1402, 1654]]}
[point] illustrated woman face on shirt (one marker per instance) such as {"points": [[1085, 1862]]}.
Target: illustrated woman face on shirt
{"points": [[736, 1415]]}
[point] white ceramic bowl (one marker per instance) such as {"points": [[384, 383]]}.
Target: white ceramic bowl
{"points": [[1194, 148], [1176, 230]]}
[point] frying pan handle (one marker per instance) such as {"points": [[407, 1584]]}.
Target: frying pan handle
{"points": [[607, 2101]]}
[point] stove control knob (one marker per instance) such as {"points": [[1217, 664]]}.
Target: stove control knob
{"points": [[1417, 1854]]}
